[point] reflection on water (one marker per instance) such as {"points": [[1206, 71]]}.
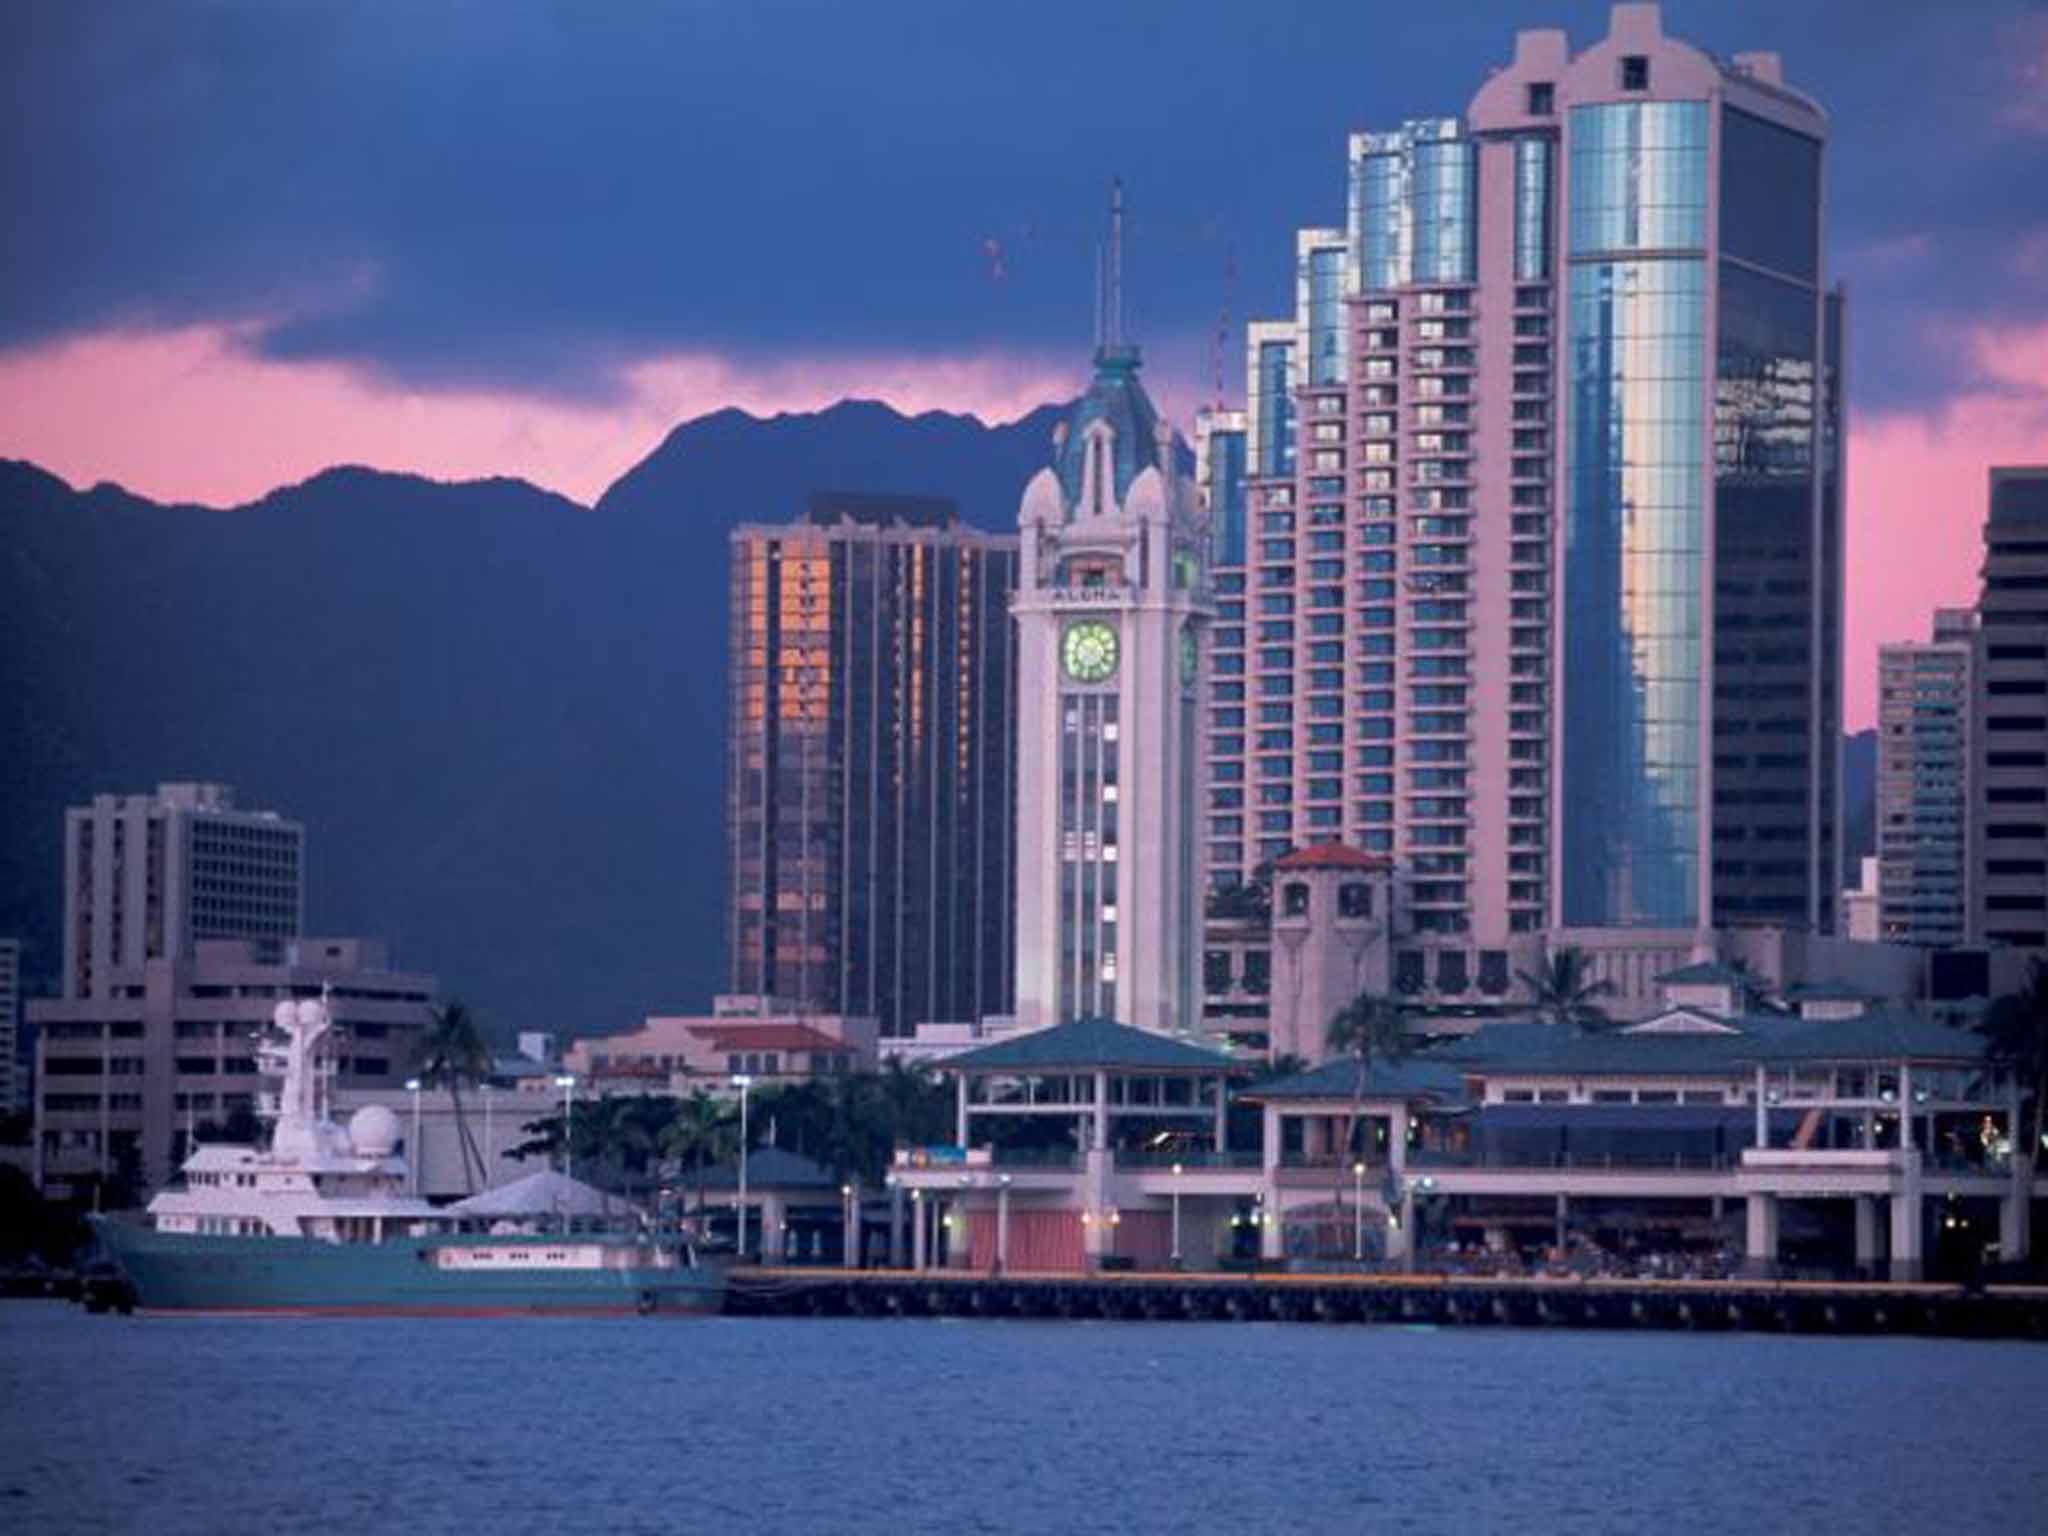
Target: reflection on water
{"points": [[176, 1425]]}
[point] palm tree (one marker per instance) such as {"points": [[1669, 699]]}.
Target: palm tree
{"points": [[452, 1052], [2017, 1027], [703, 1131], [1366, 1029], [1564, 995]]}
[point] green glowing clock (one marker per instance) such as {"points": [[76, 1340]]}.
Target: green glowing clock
{"points": [[1089, 650]]}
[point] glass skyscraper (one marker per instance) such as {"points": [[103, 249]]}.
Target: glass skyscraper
{"points": [[1541, 593], [871, 784]]}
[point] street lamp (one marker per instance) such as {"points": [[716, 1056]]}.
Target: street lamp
{"points": [[485, 1090], [1176, 1215], [1358, 1212], [412, 1086], [743, 1082], [567, 1083]]}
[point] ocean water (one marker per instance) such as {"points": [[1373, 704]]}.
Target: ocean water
{"points": [[169, 1425]]}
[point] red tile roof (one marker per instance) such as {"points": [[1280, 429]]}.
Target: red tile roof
{"points": [[1330, 856], [768, 1037]]}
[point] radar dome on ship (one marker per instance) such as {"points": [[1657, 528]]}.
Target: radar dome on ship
{"points": [[373, 1131]]}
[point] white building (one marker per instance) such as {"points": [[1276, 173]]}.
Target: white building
{"points": [[146, 877], [1112, 604]]}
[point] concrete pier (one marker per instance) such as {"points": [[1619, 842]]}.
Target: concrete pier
{"points": [[1789, 1306]]}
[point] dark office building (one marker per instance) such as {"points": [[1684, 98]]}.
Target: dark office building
{"points": [[871, 778]]}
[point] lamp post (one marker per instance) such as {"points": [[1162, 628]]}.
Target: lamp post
{"points": [[412, 1086], [1176, 1215], [849, 1228], [1358, 1212], [567, 1083], [743, 1082]]}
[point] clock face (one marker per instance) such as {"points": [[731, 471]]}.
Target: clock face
{"points": [[1089, 651]]}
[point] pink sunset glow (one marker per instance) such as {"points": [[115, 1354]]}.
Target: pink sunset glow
{"points": [[191, 415]]}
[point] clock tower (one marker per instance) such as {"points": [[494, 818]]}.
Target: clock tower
{"points": [[1112, 605]]}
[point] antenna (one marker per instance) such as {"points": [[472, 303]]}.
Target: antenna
{"points": [[1114, 336], [1223, 319], [1098, 295]]}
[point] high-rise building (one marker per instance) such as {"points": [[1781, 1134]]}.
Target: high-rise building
{"points": [[1924, 694], [1542, 589], [1111, 605], [146, 877], [11, 1094], [872, 773], [2010, 828]]}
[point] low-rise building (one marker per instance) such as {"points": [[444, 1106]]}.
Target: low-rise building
{"points": [[125, 1076], [12, 1095], [1716, 1132], [764, 1039]]}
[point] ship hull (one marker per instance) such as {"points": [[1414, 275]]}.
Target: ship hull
{"points": [[192, 1273]]}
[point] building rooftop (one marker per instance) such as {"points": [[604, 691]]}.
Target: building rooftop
{"points": [[1705, 973], [881, 510], [1416, 1077], [768, 1168], [1330, 856], [1091, 1045]]}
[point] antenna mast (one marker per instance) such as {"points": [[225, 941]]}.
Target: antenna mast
{"points": [[1114, 335]]}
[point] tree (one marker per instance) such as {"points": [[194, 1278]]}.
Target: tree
{"points": [[1563, 994], [2017, 1027], [702, 1132], [1369, 1028], [452, 1052]]}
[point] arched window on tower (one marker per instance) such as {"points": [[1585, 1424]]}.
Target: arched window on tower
{"points": [[1354, 899], [1294, 900]]}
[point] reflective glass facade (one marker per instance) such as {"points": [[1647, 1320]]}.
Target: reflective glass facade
{"points": [[1379, 218], [1770, 196], [1271, 406], [1325, 277], [1446, 210], [872, 790], [1634, 542], [1532, 208], [1638, 177], [1222, 478]]}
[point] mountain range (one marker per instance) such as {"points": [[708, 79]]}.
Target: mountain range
{"points": [[499, 713]]}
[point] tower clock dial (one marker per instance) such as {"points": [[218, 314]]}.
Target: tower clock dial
{"points": [[1088, 650]]}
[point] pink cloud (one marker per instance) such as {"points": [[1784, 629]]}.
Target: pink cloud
{"points": [[194, 415], [1917, 488]]}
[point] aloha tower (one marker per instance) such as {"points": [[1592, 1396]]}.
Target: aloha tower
{"points": [[1112, 606]]}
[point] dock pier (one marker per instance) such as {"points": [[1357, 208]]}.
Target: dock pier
{"points": [[1739, 1305]]}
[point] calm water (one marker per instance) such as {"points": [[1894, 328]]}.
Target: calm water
{"points": [[175, 1425]]}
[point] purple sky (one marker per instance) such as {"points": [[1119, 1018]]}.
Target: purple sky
{"points": [[250, 240]]}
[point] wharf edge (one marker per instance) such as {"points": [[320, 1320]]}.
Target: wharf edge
{"points": [[1738, 1305]]}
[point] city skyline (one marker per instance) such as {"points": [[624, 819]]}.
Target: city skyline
{"points": [[361, 317]]}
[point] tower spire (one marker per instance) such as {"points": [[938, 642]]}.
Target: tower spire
{"points": [[1113, 335]]}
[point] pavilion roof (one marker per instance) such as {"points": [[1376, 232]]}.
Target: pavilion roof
{"points": [[768, 1168], [1415, 1077], [1091, 1045]]}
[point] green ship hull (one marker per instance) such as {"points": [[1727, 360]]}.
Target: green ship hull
{"points": [[188, 1272]]}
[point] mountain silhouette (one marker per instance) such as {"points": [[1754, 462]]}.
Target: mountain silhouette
{"points": [[500, 714]]}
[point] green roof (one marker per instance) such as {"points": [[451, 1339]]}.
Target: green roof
{"points": [[1414, 1078], [1883, 1034], [1753, 1038], [1090, 1045], [1829, 991], [767, 1168], [1705, 973]]}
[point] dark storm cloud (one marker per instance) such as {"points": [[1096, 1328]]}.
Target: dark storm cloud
{"points": [[527, 195]]}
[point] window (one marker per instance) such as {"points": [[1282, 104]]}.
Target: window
{"points": [[1635, 72], [1294, 900], [1542, 98]]}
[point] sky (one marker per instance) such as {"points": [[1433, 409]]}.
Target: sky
{"points": [[475, 237]]}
